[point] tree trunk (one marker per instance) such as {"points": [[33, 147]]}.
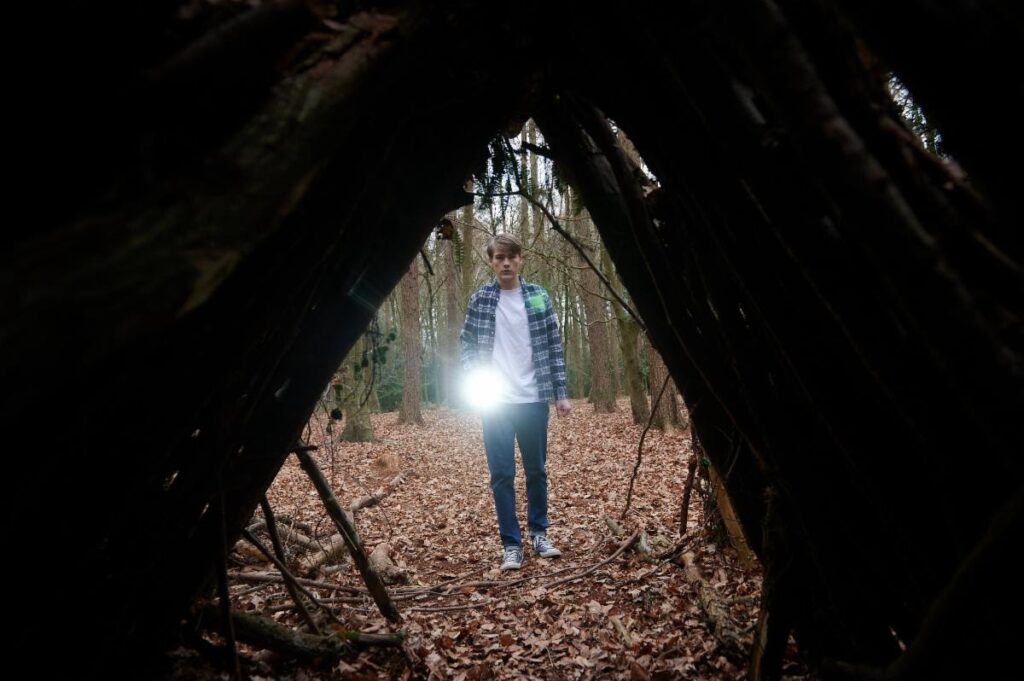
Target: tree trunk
{"points": [[468, 251], [602, 377], [629, 335], [410, 409], [356, 390], [666, 416], [453, 321]]}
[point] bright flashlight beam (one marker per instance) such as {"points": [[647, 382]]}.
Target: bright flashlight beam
{"points": [[483, 388]]}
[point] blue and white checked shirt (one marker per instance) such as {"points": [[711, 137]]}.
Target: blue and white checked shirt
{"points": [[476, 341]]}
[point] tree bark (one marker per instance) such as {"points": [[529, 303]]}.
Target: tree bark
{"points": [[412, 370], [453, 319], [356, 389], [602, 381], [629, 346], [666, 415]]}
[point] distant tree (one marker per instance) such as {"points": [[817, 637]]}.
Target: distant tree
{"points": [[410, 293], [629, 346], [354, 388], [602, 378], [666, 416]]}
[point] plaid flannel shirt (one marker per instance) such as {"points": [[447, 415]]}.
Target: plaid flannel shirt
{"points": [[476, 341]]}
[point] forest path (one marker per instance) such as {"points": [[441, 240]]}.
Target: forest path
{"points": [[631, 618]]}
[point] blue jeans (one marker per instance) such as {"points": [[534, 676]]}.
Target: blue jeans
{"points": [[527, 423]]}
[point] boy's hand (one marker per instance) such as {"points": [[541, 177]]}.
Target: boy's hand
{"points": [[563, 407]]}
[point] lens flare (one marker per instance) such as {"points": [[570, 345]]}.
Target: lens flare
{"points": [[483, 388]]}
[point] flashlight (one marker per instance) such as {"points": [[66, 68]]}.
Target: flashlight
{"points": [[483, 388]]}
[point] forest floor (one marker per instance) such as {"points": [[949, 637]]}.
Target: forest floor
{"points": [[635, 617]]}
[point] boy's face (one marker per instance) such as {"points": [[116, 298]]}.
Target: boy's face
{"points": [[506, 268]]}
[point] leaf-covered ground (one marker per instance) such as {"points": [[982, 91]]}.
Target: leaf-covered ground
{"points": [[634, 617]]}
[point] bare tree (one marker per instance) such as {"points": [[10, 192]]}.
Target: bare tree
{"points": [[410, 292], [602, 382]]}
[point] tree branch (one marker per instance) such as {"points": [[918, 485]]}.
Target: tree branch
{"points": [[348, 533]]}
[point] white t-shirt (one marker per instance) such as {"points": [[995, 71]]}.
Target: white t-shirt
{"points": [[513, 354]]}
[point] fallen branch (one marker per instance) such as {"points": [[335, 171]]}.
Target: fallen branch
{"points": [[380, 560], [289, 534], [275, 538], [265, 633], [335, 547], [261, 577], [338, 600], [348, 533], [622, 547], [294, 588], [379, 494], [449, 608], [283, 519]]}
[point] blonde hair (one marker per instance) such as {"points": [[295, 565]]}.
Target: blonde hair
{"points": [[504, 242]]}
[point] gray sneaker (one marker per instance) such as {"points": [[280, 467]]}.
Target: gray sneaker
{"points": [[512, 559], [544, 548]]}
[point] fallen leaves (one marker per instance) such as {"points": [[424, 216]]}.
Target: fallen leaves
{"points": [[632, 618]]}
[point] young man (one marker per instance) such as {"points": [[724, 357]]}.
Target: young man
{"points": [[511, 328]]}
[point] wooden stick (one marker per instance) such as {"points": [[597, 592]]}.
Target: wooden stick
{"points": [[448, 608], [265, 633], [294, 589], [289, 534], [348, 533], [378, 495], [622, 547], [272, 529], [261, 577], [338, 600]]}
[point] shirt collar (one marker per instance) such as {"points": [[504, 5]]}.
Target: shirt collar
{"points": [[494, 286]]}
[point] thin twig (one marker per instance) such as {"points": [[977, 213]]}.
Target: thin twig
{"points": [[579, 249], [622, 547], [263, 577], [640, 448], [289, 582], [447, 608], [338, 600]]}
